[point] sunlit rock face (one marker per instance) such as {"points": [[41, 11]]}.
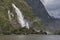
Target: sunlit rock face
{"points": [[46, 11]]}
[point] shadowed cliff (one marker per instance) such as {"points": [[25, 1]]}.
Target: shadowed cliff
{"points": [[39, 10]]}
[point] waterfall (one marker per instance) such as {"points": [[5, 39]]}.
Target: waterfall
{"points": [[9, 14], [27, 24], [20, 17]]}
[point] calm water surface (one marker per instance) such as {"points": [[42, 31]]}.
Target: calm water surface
{"points": [[30, 37]]}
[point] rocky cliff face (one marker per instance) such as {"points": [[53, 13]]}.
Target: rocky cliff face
{"points": [[39, 10]]}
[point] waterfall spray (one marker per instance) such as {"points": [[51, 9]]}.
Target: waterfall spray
{"points": [[20, 17]]}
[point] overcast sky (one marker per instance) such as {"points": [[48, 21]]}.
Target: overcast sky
{"points": [[53, 7]]}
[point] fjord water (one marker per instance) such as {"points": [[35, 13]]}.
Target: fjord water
{"points": [[30, 37]]}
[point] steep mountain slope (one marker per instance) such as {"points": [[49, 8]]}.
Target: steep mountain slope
{"points": [[39, 10], [51, 24], [34, 12], [10, 27]]}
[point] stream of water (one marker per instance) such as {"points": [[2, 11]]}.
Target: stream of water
{"points": [[20, 16]]}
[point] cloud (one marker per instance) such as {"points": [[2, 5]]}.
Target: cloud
{"points": [[53, 7]]}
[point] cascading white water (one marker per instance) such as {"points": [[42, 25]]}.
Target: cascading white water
{"points": [[27, 25], [20, 17]]}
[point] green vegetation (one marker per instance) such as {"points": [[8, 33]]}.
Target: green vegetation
{"points": [[7, 27]]}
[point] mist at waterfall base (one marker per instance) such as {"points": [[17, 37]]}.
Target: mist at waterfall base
{"points": [[20, 17], [52, 7]]}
